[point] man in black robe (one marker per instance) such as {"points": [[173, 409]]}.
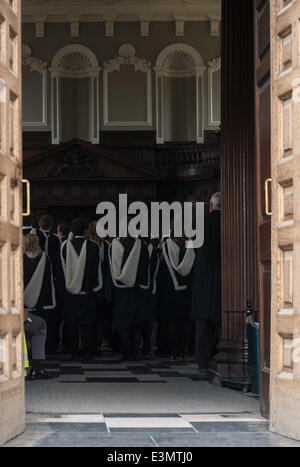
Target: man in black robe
{"points": [[129, 264], [206, 297], [81, 277], [50, 243]]}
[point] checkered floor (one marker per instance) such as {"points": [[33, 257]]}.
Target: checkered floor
{"points": [[103, 370]]}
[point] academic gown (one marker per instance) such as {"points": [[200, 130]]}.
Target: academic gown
{"points": [[53, 246], [173, 305], [81, 310], [26, 230], [45, 298], [131, 305], [108, 287], [206, 299]]}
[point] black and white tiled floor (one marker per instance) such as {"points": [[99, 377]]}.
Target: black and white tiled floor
{"points": [[103, 370], [154, 402], [148, 430]]}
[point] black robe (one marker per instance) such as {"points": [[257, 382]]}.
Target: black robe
{"points": [[173, 305], [53, 246], [45, 298], [81, 310], [206, 301], [132, 305]]}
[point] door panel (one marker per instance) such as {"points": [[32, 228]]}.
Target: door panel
{"points": [[263, 167], [285, 323], [11, 280]]}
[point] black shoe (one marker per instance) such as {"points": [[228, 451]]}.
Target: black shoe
{"points": [[38, 374]]}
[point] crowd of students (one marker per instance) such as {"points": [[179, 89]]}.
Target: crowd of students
{"points": [[79, 289]]}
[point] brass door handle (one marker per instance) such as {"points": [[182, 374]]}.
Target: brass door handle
{"points": [[27, 212], [268, 212]]}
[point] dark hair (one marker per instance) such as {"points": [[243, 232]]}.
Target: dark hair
{"points": [[28, 220], [79, 226], [64, 228], [45, 222]]}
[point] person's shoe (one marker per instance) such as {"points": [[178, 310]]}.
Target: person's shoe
{"points": [[36, 374]]}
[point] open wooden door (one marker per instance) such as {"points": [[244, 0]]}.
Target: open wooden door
{"points": [[11, 280], [263, 169], [285, 321]]}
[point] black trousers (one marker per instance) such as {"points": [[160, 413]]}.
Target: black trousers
{"points": [[87, 336], [206, 341], [178, 337], [53, 326], [130, 342]]}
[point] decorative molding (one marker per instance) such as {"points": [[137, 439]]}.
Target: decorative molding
{"points": [[127, 56], [122, 10], [75, 61], [74, 26], [214, 66], [109, 28], [76, 163], [179, 61], [40, 66], [215, 27], [40, 27], [145, 26], [44, 121], [35, 64], [180, 28]]}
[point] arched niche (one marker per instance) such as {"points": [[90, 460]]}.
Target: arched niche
{"points": [[71, 63], [179, 94]]}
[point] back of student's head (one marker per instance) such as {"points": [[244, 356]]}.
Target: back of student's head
{"points": [[92, 233], [28, 220], [46, 222], [64, 228], [31, 243], [79, 226]]}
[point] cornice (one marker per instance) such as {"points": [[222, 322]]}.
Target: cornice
{"points": [[121, 10]]}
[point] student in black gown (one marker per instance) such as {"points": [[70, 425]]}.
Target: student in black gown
{"points": [[130, 263], [50, 243], [148, 326], [80, 268], [174, 295], [206, 303], [39, 300], [103, 315], [63, 230]]}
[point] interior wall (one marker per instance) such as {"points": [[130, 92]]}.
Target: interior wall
{"points": [[127, 95], [180, 109], [74, 108], [92, 35]]}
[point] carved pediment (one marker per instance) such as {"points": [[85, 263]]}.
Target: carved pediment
{"points": [[78, 159], [75, 162]]}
